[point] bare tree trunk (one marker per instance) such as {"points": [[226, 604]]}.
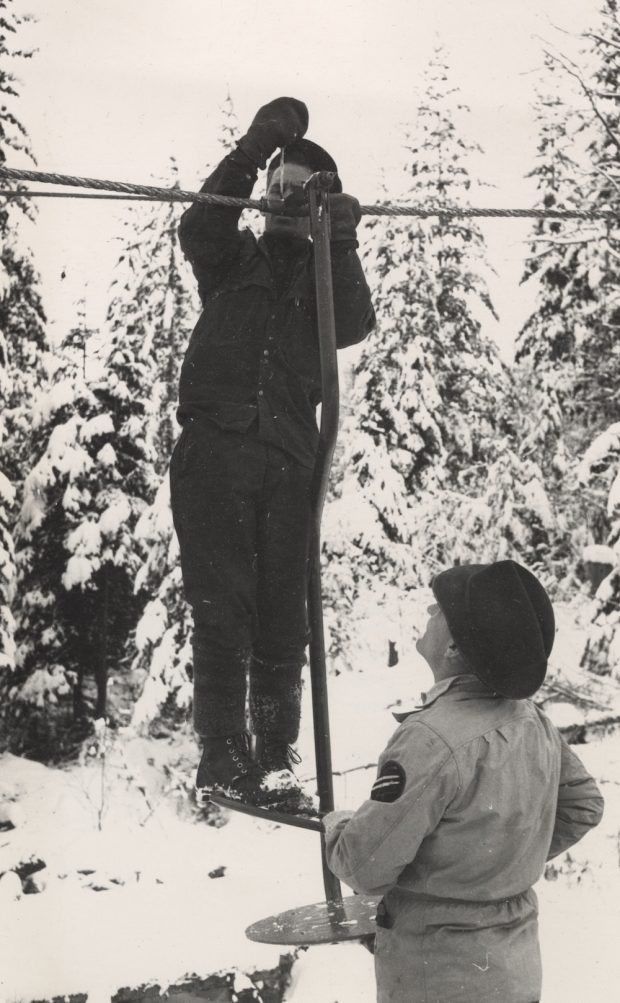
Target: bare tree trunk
{"points": [[101, 668]]}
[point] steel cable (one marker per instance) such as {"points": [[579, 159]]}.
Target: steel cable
{"points": [[152, 193]]}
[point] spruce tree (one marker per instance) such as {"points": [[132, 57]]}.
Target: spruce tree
{"points": [[597, 390], [22, 319], [569, 343], [124, 485], [163, 660], [598, 385], [425, 390], [549, 337], [54, 621], [586, 268], [431, 470], [13, 134], [7, 563], [229, 131], [571, 340], [152, 297], [548, 349], [600, 469], [22, 333], [76, 552], [163, 637]]}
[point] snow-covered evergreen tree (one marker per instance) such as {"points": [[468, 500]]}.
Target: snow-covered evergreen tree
{"points": [[431, 469], [229, 131], [154, 302], [163, 636], [546, 347], [153, 299], [598, 389], [22, 336], [76, 552], [7, 564], [548, 338], [598, 385], [511, 514], [13, 134], [22, 320], [425, 390], [600, 467], [52, 648], [561, 340], [570, 341], [124, 483]]}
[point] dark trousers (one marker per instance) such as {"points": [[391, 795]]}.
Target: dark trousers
{"points": [[241, 510]]}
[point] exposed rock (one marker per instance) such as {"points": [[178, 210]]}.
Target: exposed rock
{"points": [[35, 884], [259, 987], [28, 867], [76, 998]]}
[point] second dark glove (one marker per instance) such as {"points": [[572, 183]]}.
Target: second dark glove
{"points": [[345, 214]]}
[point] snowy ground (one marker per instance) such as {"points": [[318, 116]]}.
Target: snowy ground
{"points": [[138, 888]]}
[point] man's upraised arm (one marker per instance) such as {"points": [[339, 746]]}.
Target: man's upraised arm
{"points": [[209, 234]]}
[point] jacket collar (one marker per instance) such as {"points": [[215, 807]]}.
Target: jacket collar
{"points": [[465, 687]]}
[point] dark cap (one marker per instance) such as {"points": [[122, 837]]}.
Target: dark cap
{"points": [[501, 620], [308, 154]]}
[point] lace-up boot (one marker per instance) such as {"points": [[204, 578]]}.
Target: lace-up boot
{"points": [[227, 767]]}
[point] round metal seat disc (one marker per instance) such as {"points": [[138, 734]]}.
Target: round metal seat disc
{"points": [[319, 923]]}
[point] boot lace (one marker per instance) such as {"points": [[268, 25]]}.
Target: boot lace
{"points": [[276, 752], [238, 747]]}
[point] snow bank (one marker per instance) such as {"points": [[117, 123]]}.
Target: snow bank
{"points": [[137, 888], [133, 901]]}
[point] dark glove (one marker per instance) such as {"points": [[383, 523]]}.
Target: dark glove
{"points": [[345, 214], [276, 124]]}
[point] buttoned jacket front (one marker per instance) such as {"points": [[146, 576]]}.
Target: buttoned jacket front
{"points": [[254, 353]]}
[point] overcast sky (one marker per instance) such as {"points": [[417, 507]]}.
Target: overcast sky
{"points": [[117, 86]]}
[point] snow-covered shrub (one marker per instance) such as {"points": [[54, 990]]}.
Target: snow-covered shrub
{"points": [[601, 463]]}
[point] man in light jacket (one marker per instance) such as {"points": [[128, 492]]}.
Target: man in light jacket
{"points": [[475, 791]]}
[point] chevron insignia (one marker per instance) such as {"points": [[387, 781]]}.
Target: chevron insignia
{"points": [[390, 783]]}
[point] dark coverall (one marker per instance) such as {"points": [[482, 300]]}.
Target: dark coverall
{"points": [[241, 470]]}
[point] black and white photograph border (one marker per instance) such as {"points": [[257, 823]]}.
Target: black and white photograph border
{"points": [[459, 195]]}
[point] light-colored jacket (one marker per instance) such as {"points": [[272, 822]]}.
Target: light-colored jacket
{"points": [[474, 793]]}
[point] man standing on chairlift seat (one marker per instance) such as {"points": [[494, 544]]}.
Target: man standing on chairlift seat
{"points": [[242, 468]]}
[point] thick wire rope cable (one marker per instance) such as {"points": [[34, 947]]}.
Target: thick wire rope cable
{"points": [[17, 193], [156, 194]]}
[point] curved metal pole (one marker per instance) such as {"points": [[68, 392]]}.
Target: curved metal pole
{"points": [[317, 188]]}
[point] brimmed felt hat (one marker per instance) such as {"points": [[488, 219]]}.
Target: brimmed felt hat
{"points": [[501, 620], [308, 154]]}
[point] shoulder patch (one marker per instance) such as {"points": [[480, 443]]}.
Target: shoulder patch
{"points": [[390, 783]]}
